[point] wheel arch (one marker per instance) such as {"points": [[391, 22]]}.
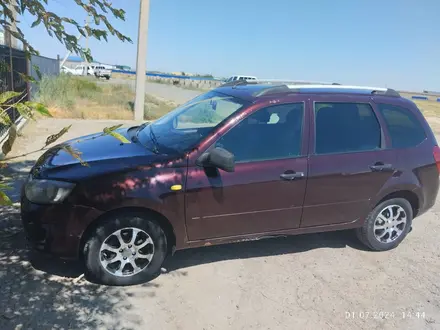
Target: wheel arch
{"points": [[160, 218], [409, 195]]}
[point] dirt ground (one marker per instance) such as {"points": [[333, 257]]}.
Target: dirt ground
{"points": [[318, 281]]}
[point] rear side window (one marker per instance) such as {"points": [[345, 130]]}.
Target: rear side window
{"points": [[404, 128], [345, 127]]}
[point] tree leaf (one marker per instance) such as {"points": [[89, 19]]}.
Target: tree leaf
{"points": [[75, 154], [40, 108], [24, 110], [7, 146], [26, 77], [54, 137], [113, 128], [36, 22], [4, 118], [99, 10], [4, 66], [6, 96], [5, 186], [37, 71], [116, 135], [4, 199]]}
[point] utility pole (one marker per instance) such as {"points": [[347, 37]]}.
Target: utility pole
{"points": [[86, 66], [10, 40], [144, 13]]}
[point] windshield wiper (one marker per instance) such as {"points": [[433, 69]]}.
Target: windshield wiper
{"points": [[154, 139], [140, 128], [135, 137]]}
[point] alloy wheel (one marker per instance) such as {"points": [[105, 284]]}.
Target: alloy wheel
{"points": [[390, 223], [126, 251]]}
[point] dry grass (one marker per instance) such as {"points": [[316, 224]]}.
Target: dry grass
{"points": [[429, 108], [78, 97], [125, 76]]}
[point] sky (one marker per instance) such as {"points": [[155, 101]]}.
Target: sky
{"points": [[392, 43]]}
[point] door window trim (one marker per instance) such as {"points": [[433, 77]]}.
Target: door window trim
{"points": [[304, 131], [383, 142]]}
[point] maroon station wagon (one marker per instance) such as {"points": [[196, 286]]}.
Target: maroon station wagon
{"points": [[243, 161]]}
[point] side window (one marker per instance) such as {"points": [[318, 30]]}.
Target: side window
{"points": [[345, 127], [270, 133], [404, 128]]}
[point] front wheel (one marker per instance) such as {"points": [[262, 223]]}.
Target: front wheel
{"points": [[125, 249], [387, 225]]}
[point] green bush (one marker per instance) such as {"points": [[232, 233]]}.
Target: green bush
{"points": [[64, 90]]}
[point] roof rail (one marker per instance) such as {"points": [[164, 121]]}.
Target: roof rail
{"points": [[295, 82], [388, 92], [239, 82], [277, 82], [333, 88]]}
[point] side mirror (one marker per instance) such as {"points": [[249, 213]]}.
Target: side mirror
{"points": [[219, 158]]}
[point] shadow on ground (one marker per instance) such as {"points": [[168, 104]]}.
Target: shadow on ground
{"points": [[263, 248], [37, 291], [14, 175], [30, 298]]}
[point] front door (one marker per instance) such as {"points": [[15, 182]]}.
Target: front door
{"points": [[266, 191], [348, 165]]}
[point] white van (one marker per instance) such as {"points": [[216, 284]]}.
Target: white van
{"points": [[234, 78]]}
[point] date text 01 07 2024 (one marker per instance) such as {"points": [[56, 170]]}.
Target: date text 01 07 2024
{"points": [[384, 315]]}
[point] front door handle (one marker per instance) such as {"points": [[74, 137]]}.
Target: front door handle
{"points": [[292, 176], [380, 167]]}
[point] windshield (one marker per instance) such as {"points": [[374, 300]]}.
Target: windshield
{"points": [[182, 128]]}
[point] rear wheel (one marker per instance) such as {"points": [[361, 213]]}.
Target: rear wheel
{"points": [[125, 249], [387, 225]]}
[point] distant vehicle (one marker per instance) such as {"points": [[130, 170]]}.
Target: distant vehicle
{"points": [[102, 72], [246, 78], [99, 71], [237, 163], [78, 70]]}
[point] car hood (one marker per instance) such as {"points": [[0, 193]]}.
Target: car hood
{"points": [[94, 154]]}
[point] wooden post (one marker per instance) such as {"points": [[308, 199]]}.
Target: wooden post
{"points": [[28, 72]]}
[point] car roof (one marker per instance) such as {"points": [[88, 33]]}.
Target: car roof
{"points": [[254, 91]]}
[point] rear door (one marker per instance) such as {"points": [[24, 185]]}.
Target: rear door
{"points": [[349, 160], [266, 191]]}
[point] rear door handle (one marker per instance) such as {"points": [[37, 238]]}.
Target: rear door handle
{"points": [[292, 176], [380, 167]]}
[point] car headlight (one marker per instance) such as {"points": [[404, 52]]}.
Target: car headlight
{"points": [[47, 191]]}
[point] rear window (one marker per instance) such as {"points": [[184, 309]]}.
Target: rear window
{"points": [[404, 128]]}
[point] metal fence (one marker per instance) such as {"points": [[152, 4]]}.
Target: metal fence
{"points": [[47, 66], [12, 80]]}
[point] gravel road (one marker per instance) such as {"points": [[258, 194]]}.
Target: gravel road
{"points": [[318, 281], [168, 92]]}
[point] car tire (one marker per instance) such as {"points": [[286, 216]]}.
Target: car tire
{"points": [[380, 220], [141, 257]]}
